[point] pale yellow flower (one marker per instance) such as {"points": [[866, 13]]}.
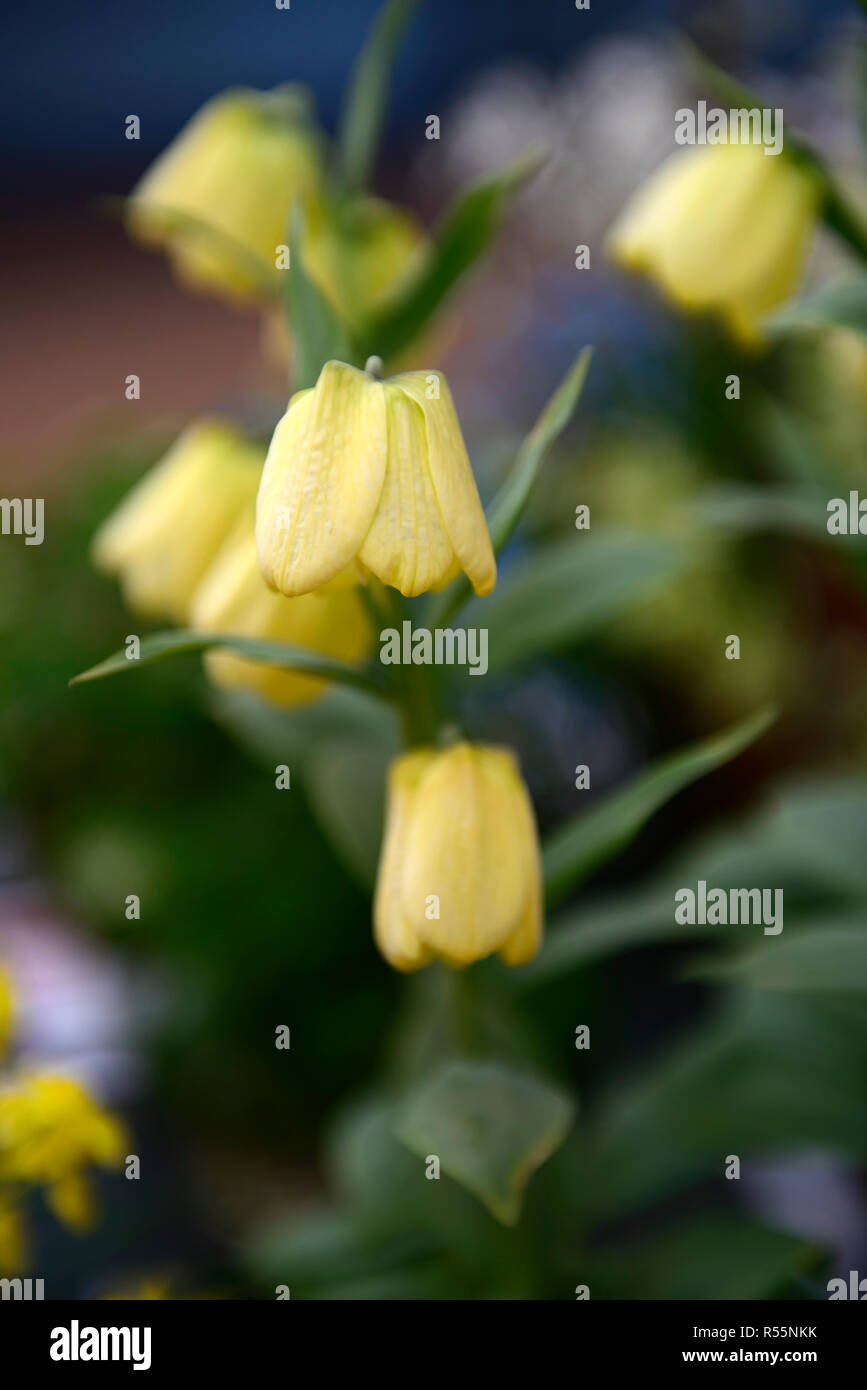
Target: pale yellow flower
{"points": [[372, 472], [6, 1010], [50, 1130], [459, 874], [218, 199], [722, 229], [234, 598], [166, 533]]}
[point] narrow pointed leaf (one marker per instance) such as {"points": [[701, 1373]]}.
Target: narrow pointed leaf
{"points": [[364, 109], [505, 511], [591, 838], [465, 233], [164, 644], [318, 336]]}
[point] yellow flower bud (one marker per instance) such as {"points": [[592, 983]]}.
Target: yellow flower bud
{"points": [[374, 472], [459, 874], [165, 534], [234, 598], [722, 228], [360, 256], [218, 199], [50, 1129]]}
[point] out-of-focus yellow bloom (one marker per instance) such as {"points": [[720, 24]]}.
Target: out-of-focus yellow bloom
{"points": [[234, 598], [374, 472], [166, 533], [13, 1239], [359, 255], [459, 874], [218, 199], [50, 1129], [5, 1010], [722, 228]]}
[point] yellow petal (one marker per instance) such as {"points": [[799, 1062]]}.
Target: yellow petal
{"points": [[465, 851], [452, 476], [234, 598], [724, 228], [398, 943], [322, 480], [166, 532], [71, 1200], [5, 1010], [219, 197], [407, 545]]}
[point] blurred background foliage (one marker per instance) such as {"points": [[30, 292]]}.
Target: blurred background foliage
{"points": [[708, 518]]}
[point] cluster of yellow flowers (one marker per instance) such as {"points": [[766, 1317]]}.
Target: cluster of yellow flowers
{"points": [[363, 479], [51, 1131], [369, 480]]}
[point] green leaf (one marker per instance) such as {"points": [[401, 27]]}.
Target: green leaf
{"points": [[490, 1127], [164, 644], [465, 233], [562, 592], [711, 1257], [741, 508], [828, 959], [592, 837], [505, 511], [318, 336], [731, 1088], [364, 108], [841, 305]]}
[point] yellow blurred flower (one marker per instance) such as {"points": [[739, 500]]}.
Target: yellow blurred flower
{"points": [[360, 254], [218, 199], [374, 472], [722, 228], [50, 1130], [234, 598], [165, 534], [5, 1010], [13, 1239], [459, 874]]}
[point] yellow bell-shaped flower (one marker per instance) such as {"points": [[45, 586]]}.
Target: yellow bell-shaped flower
{"points": [[218, 199], [234, 598], [373, 472], [165, 534], [50, 1130], [459, 874], [722, 229]]}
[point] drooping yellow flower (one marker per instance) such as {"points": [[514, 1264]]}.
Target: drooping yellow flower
{"points": [[459, 874], [218, 199], [373, 472], [722, 229], [165, 534], [50, 1131], [360, 254], [5, 1010], [234, 598]]}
